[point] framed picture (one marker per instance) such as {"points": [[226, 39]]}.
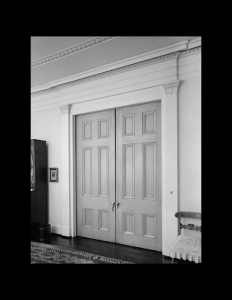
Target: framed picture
{"points": [[53, 174]]}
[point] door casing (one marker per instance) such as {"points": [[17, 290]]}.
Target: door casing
{"points": [[168, 146]]}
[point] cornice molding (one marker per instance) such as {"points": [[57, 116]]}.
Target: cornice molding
{"points": [[130, 67], [190, 52], [171, 87], [65, 108], [71, 50]]}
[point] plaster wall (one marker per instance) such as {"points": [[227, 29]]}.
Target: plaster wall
{"points": [[189, 145], [46, 125]]}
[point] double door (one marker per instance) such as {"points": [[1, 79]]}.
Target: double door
{"points": [[119, 176]]}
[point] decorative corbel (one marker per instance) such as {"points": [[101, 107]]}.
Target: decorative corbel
{"points": [[65, 109], [171, 87]]}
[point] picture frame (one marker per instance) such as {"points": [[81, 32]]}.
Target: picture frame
{"points": [[53, 174]]}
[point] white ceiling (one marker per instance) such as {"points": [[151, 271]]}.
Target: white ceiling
{"points": [[109, 51]]}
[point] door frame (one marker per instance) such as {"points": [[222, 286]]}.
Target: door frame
{"points": [[167, 94]]}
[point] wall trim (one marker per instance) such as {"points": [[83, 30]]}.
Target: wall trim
{"points": [[130, 67], [116, 71], [171, 87], [108, 67], [71, 50], [59, 229], [194, 43], [188, 67], [65, 108], [191, 51]]}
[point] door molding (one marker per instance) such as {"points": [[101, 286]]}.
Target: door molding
{"points": [[167, 94]]}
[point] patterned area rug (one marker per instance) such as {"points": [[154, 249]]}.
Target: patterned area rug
{"points": [[49, 254]]}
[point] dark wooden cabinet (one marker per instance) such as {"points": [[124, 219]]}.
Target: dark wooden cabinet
{"points": [[39, 185], [38, 165]]}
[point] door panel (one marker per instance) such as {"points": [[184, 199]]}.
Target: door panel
{"points": [[138, 176], [96, 175]]}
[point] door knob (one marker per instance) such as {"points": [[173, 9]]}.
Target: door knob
{"points": [[117, 204], [113, 204]]}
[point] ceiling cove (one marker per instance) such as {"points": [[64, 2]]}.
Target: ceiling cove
{"points": [[71, 50]]}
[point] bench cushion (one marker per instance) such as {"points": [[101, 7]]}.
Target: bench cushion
{"points": [[187, 247]]}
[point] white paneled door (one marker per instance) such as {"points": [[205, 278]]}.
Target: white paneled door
{"points": [[138, 176], [119, 176], [96, 175]]}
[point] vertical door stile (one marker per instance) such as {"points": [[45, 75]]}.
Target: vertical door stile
{"points": [[119, 173]]}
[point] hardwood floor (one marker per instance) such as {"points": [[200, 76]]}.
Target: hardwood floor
{"points": [[122, 252]]}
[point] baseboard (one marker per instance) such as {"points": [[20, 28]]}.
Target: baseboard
{"points": [[62, 230]]}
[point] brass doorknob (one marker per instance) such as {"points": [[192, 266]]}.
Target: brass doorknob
{"points": [[117, 204]]}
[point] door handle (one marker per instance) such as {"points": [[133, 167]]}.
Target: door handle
{"points": [[113, 204]]}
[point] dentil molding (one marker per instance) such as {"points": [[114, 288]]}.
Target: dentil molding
{"points": [[130, 67], [65, 108], [171, 87], [190, 52], [71, 50]]}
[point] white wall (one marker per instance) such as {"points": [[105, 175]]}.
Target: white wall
{"points": [[189, 145], [46, 125], [189, 150]]}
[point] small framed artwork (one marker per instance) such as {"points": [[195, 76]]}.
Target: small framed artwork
{"points": [[53, 174]]}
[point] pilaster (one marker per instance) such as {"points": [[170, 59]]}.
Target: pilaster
{"points": [[65, 174], [169, 164]]}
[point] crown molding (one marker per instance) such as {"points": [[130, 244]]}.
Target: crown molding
{"points": [[194, 43], [71, 50], [170, 87], [190, 52], [65, 108], [123, 69], [181, 46], [121, 63]]}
